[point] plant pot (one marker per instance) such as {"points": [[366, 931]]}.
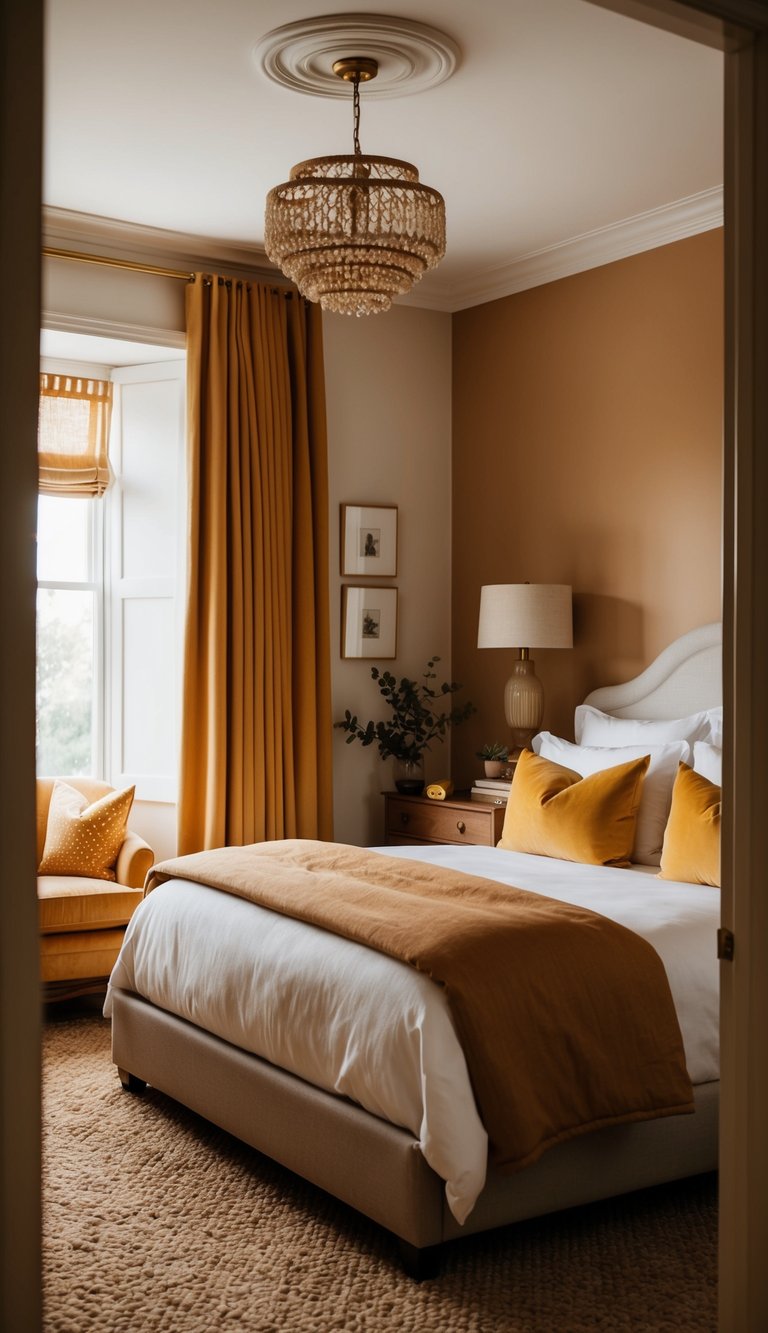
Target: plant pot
{"points": [[494, 768], [409, 776]]}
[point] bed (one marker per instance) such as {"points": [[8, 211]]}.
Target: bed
{"points": [[366, 1092]]}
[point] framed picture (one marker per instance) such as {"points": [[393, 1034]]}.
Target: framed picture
{"points": [[369, 540], [368, 622]]}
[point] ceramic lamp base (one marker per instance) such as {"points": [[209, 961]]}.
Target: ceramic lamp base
{"points": [[523, 704]]}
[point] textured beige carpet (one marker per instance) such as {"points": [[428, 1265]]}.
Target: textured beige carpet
{"points": [[154, 1220]]}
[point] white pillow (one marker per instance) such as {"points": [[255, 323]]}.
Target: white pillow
{"points": [[657, 786], [595, 728], [708, 761], [715, 736]]}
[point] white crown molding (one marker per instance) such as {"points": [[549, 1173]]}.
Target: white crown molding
{"points": [[645, 231], [430, 294], [63, 229]]}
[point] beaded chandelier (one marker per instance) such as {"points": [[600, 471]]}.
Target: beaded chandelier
{"points": [[352, 232]]}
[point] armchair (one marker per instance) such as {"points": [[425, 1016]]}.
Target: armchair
{"points": [[83, 920]]}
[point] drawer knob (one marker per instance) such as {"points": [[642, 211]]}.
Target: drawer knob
{"points": [[461, 826], [404, 817]]}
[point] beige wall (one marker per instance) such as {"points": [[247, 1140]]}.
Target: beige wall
{"points": [[95, 294], [587, 449], [388, 384]]}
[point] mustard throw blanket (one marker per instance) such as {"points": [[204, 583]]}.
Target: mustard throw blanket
{"points": [[566, 1018]]}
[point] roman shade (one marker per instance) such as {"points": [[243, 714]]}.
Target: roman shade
{"points": [[73, 435]]}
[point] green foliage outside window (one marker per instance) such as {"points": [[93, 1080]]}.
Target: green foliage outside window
{"points": [[64, 681]]}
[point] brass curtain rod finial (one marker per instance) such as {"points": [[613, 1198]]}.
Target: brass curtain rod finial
{"points": [[362, 68]]}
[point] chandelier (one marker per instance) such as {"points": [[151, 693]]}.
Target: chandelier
{"points": [[354, 231]]}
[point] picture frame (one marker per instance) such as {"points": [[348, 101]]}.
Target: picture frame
{"points": [[368, 622], [369, 540]]}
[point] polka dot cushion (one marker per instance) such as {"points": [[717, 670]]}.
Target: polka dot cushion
{"points": [[83, 839]]}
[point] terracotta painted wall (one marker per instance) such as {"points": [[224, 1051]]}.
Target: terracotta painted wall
{"points": [[587, 443]]}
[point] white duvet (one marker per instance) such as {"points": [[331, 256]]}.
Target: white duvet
{"points": [[367, 1027]]}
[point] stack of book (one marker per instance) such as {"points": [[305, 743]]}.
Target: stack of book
{"points": [[495, 790]]}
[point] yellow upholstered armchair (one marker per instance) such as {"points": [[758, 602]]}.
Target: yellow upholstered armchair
{"points": [[83, 915]]}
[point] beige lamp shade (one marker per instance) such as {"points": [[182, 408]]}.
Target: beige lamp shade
{"points": [[525, 616]]}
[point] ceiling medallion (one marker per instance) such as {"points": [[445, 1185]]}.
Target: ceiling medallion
{"points": [[411, 57], [354, 231]]}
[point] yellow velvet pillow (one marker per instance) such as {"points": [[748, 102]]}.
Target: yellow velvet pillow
{"points": [[553, 811], [691, 848], [83, 839]]}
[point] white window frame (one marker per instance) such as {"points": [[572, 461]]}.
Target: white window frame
{"points": [[110, 589], [157, 788], [96, 583]]}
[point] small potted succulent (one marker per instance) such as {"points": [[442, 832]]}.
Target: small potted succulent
{"points": [[415, 720], [495, 757]]}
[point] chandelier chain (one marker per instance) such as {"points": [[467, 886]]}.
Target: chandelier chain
{"points": [[356, 114]]}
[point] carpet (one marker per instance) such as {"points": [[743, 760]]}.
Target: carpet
{"points": [[157, 1222]]}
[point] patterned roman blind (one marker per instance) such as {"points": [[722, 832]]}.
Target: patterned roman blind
{"points": [[73, 435]]}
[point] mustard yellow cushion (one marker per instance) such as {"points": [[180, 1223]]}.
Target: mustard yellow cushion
{"points": [[69, 903], [82, 838], [691, 848], [553, 811]]}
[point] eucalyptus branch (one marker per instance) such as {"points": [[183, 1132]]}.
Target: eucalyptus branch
{"points": [[416, 717]]}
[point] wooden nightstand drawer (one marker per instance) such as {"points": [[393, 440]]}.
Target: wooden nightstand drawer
{"points": [[418, 819]]}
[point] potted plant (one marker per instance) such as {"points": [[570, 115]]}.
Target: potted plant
{"points": [[415, 720], [495, 757]]}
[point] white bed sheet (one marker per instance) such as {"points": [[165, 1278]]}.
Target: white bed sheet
{"points": [[364, 1026]]}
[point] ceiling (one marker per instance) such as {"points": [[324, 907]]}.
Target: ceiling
{"points": [[560, 121]]}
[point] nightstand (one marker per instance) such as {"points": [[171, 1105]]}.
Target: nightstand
{"points": [[417, 819]]}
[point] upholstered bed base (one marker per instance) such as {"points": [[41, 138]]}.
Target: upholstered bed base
{"points": [[377, 1167]]}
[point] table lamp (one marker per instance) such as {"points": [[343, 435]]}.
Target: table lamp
{"points": [[525, 616]]}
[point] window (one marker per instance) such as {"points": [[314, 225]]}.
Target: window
{"points": [[109, 626], [70, 619]]}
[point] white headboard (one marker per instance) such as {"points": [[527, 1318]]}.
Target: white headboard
{"points": [[685, 678]]}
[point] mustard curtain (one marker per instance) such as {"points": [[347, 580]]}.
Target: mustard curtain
{"points": [[73, 435], [256, 725]]}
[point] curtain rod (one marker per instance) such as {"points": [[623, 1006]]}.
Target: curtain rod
{"points": [[51, 253]]}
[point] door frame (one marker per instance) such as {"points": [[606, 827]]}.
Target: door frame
{"points": [[739, 28]]}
